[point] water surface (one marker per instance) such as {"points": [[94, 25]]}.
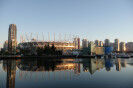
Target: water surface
{"points": [[66, 73]]}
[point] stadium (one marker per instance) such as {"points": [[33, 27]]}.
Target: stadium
{"points": [[63, 46]]}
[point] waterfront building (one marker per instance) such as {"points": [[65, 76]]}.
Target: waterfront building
{"points": [[77, 43], [129, 47], [107, 42], [97, 43], [101, 44], [92, 47], [108, 50], [84, 43], [5, 46], [86, 51], [12, 39], [122, 47], [100, 50], [116, 45], [76, 52]]}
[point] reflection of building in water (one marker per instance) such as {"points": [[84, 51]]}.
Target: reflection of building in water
{"points": [[118, 65], [119, 62], [93, 65], [68, 66], [0, 61], [108, 64], [11, 72], [123, 64], [5, 65]]}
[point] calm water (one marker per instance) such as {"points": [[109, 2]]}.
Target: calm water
{"points": [[67, 73]]}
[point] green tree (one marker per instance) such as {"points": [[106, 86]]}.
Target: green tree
{"points": [[53, 49]]}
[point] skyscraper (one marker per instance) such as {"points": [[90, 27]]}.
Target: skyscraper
{"points": [[97, 42], [77, 43], [101, 44], [122, 47], [107, 42], [84, 43], [12, 39], [116, 45]]}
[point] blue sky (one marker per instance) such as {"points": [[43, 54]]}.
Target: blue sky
{"points": [[91, 19]]}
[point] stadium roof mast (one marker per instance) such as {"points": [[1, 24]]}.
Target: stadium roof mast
{"points": [[22, 38], [48, 37], [69, 38], [37, 37], [65, 38], [27, 40], [54, 36], [27, 37], [43, 37], [31, 37], [59, 37]]}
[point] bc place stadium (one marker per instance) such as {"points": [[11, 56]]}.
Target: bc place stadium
{"points": [[63, 46]]}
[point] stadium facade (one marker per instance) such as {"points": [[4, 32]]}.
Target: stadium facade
{"points": [[32, 46]]}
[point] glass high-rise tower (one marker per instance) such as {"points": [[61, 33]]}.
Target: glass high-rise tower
{"points": [[12, 39]]}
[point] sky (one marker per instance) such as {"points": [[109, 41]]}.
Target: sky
{"points": [[91, 19]]}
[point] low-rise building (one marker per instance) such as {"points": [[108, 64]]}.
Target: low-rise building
{"points": [[100, 50], [5, 46]]}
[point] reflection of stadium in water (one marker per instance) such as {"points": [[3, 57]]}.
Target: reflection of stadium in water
{"points": [[46, 65], [44, 68], [65, 68]]}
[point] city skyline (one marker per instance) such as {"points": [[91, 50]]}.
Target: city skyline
{"points": [[63, 38], [87, 19]]}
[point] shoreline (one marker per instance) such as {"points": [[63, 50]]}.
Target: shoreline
{"points": [[2, 57], [43, 57]]}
